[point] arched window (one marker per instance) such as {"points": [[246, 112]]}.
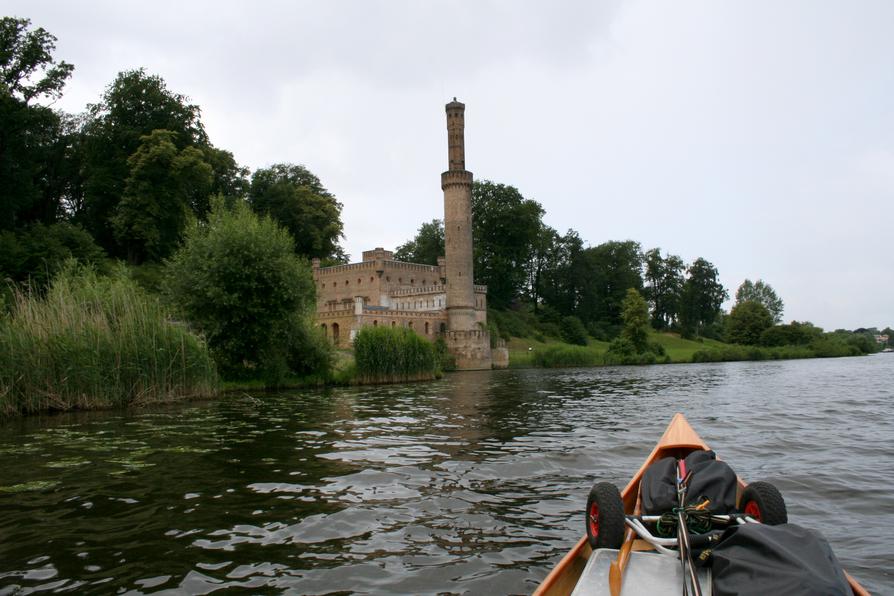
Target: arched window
{"points": [[335, 331], [393, 323], [426, 327], [410, 324], [443, 327], [375, 323]]}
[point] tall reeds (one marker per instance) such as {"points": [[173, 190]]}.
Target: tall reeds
{"points": [[95, 342], [393, 355]]}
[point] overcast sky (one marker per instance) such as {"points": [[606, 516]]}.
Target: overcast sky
{"points": [[758, 135]]}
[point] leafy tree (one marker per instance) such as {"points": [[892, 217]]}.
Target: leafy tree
{"points": [[635, 316], [298, 201], [633, 345], [34, 254], [764, 294], [27, 68], [890, 333], [701, 298], [133, 105], [793, 334], [238, 280], [747, 322], [605, 274], [425, 247], [163, 185], [664, 285], [559, 263], [505, 227], [34, 140], [573, 331]]}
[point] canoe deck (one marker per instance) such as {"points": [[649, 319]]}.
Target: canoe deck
{"points": [[648, 574]]}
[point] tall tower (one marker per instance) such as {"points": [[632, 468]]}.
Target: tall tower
{"points": [[468, 341], [456, 183]]}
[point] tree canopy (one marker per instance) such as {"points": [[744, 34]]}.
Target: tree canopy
{"points": [[425, 247], [505, 227], [27, 68], [762, 293], [297, 200], [701, 298]]}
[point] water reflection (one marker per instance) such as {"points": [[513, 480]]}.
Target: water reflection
{"points": [[471, 484]]}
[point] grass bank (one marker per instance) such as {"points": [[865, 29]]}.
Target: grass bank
{"points": [[96, 342]]}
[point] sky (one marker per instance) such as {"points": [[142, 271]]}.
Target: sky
{"points": [[758, 135]]}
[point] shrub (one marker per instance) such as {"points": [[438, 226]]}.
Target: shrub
{"points": [[747, 321], [36, 253], [563, 356], [96, 342], [238, 280], [393, 355], [551, 330], [573, 331]]}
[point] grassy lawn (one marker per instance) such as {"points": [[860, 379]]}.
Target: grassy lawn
{"points": [[522, 349]]}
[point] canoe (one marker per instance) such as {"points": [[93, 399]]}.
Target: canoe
{"points": [[678, 440]]}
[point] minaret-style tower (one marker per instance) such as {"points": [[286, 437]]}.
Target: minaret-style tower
{"points": [[468, 341], [456, 183]]}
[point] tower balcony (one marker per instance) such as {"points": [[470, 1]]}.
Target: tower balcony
{"points": [[456, 178]]}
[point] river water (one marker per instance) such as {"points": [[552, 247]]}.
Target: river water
{"points": [[472, 484]]}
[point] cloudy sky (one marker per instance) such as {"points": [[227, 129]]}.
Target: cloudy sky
{"points": [[756, 134]]}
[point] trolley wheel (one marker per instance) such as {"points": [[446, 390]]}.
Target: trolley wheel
{"points": [[605, 516], [762, 501]]}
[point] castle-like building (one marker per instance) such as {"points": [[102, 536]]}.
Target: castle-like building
{"points": [[432, 300]]}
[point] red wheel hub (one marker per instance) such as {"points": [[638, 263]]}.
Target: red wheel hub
{"points": [[751, 509], [594, 519]]}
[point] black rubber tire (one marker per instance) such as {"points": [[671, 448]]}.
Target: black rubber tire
{"points": [[765, 500], [606, 529]]}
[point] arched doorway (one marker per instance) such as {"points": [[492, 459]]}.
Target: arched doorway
{"points": [[335, 333], [426, 327]]}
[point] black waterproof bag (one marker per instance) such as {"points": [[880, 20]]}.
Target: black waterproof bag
{"points": [[711, 479], [758, 560]]}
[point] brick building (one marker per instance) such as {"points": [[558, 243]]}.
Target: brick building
{"points": [[430, 299]]}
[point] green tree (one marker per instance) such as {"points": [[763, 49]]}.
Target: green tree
{"points": [[34, 140], [559, 264], [747, 322], [605, 274], [34, 254], [133, 105], [763, 293], [238, 280], [633, 345], [505, 227], [635, 317], [701, 298], [573, 331], [163, 185], [793, 334], [425, 247], [27, 68], [664, 285], [298, 201]]}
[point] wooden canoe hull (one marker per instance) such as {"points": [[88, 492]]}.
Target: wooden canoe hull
{"points": [[678, 440]]}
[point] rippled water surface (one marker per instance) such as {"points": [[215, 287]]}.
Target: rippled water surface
{"points": [[472, 484]]}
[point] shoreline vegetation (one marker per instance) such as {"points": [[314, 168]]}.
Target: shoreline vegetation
{"points": [[139, 264]]}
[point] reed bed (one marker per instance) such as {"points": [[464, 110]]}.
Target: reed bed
{"points": [[393, 355], [95, 342]]}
